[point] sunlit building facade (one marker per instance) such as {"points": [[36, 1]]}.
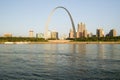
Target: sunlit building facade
{"points": [[31, 33], [54, 35], [81, 31], [39, 35], [113, 33], [85, 34], [99, 33], [71, 34]]}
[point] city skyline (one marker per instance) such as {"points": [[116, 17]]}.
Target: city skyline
{"points": [[18, 17], [81, 32]]}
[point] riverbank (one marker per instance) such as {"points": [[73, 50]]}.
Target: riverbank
{"points": [[95, 42], [60, 42], [75, 43]]}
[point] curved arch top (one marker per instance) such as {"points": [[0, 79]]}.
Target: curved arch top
{"points": [[71, 19]]}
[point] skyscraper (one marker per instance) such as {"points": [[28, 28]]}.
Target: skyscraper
{"points": [[112, 33], [81, 29], [99, 33], [31, 33]]}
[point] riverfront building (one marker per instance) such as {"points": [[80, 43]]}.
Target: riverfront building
{"points": [[71, 34], [39, 35], [112, 33], [99, 33], [81, 31], [54, 35], [31, 33], [85, 34]]}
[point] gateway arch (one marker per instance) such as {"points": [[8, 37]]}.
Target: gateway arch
{"points": [[49, 18]]}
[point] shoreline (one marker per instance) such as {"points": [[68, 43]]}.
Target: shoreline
{"points": [[68, 42]]}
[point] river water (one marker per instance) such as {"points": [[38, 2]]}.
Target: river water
{"points": [[60, 62]]}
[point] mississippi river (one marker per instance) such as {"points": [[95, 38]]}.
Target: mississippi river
{"points": [[60, 62]]}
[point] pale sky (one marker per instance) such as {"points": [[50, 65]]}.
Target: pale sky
{"points": [[20, 16]]}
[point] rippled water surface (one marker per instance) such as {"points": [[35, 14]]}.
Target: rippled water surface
{"points": [[60, 62]]}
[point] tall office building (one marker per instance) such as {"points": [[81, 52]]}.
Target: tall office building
{"points": [[31, 33], [54, 35], [112, 33], [99, 33], [71, 34], [80, 30]]}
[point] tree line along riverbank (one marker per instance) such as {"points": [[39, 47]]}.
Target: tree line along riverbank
{"points": [[21, 39], [91, 39], [97, 39]]}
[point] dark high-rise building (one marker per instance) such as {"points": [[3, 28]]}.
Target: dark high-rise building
{"points": [[112, 33]]}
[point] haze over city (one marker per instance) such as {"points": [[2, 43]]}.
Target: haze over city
{"points": [[20, 16]]}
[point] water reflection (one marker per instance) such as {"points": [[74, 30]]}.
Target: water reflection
{"points": [[60, 61], [109, 51], [114, 51], [101, 51], [81, 48]]}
